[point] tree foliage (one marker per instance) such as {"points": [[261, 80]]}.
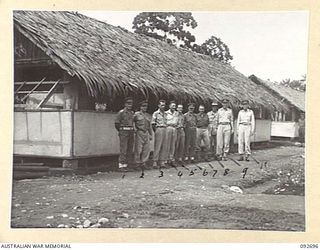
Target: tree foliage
{"points": [[295, 84], [174, 28], [167, 26], [215, 48]]}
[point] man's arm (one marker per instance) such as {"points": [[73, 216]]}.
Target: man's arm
{"points": [[117, 121], [253, 123], [154, 121], [231, 121], [238, 121]]}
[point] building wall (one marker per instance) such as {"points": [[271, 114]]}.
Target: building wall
{"points": [[42, 133], [285, 129], [263, 131], [95, 134]]}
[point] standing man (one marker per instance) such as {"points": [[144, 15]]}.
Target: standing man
{"points": [[225, 129], [202, 132], [159, 126], [245, 127], [172, 122], [180, 135], [124, 125], [213, 125], [190, 132], [142, 124]]}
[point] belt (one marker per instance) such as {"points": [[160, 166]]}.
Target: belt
{"points": [[224, 123], [180, 128], [161, 126], [144, 131], [245, 123], [172, 126], [126, 128], [203, 127]]}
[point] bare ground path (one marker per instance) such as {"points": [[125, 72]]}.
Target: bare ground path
{"points": [[199, 200]]}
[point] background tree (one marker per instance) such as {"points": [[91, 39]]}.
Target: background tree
{"points": [[215, 48], [295, 84], [171, 27], [174, 28]]}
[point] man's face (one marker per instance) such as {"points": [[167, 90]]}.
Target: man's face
{"points": [[144, 107], [225, 105], [245, 106], [162, 106], [172, 106], [201, 109], [191, 109], [180, 108], [214, 108], [129, 105]]}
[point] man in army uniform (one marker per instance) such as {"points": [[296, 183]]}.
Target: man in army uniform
{"points": [[172, 122], [245, 129], [190, 120], [179, 150], [213, 126], [202, 132], [142, 125], [124, 125], [159, 126], [225, 130]]}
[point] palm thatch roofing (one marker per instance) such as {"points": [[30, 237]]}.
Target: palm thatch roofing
{"points": [[111, 60], [294, 97]]}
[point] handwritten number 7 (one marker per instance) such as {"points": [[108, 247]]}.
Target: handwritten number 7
{"points": [[214, 173]]}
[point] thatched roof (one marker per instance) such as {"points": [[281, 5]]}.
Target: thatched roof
{"points": [[111, 59], [294, 97]]}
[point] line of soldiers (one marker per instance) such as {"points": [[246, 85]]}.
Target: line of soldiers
{"points": [[180, 137]]}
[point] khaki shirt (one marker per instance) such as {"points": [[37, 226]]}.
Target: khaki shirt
{"points": [[246, 118], [142, 121], [213, 118], [181, 122], [172, 118], [190, 120], [225, 116], [125, 118], [159, 119]]}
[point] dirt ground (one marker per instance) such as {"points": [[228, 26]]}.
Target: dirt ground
{"points": [[199, 198]]}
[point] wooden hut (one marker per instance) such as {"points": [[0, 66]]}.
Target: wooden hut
{"points": [[284, 121], [66, 62]]}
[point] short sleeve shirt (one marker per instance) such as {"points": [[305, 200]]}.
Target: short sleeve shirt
{"points": [[213, 118], [172, 118], [125, 118], [159, 119]]}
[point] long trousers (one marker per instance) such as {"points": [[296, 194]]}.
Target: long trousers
{"points": [[141, 147], [179, 152], [171, 141], [244, 132], [126, 146], [203, 135], [160, 152], [190, 145], [223, 139], [213, 138]]}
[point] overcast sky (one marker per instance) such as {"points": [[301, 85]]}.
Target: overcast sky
{"points": [[271, 45]]}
